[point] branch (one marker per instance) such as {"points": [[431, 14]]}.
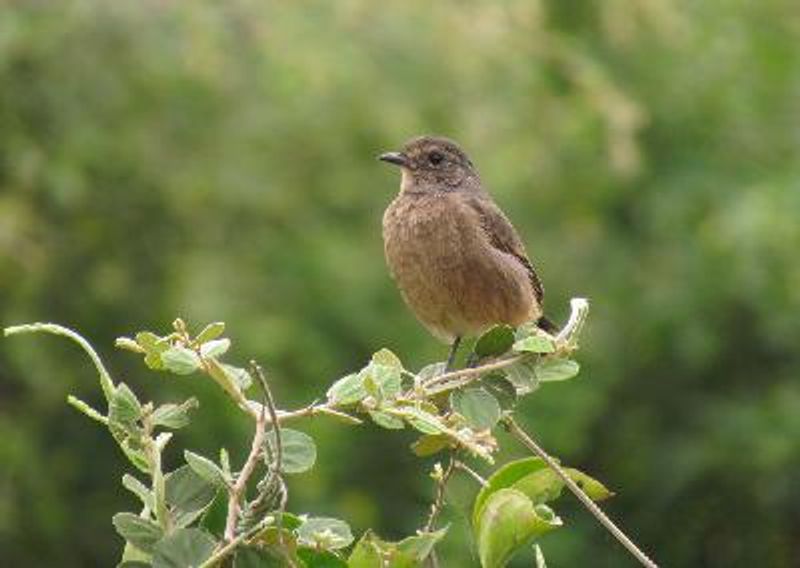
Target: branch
{"points": [[566, 341], [239, 488], [105, 379], [528, 442], [441, 477]]}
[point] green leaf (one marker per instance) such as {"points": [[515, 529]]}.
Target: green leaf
{"points": [[430, 444], [387, 358], [320, 558], [174, 415], [431, 371], [215, 348], [503, 390], [523, 376], [505, 476], [183, 548], [153, 361], [535, 344], [494, 342], [180, 360], [141, 533], [412, 551], [347, 390], [256, 557], [211, 331], [386, 420], [140, 490], [549, 370], [240, 376], [479, 407], [382, 381], [188, 495], [299, 452], [151, 343], [508, 522], [366, 553], [325, 533], [125, 408], [135, 455], [545, 485], [205, 468], [424, 421], [372, 552]]}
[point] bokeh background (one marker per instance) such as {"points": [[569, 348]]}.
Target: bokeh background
{"points": [[216, 160]]}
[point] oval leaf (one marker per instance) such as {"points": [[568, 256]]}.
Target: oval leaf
{"points": [[386, 420], [183, 548], [507, 523], [211, 331], [556, 369], [188, 495], [141, 533], [546, 485], [204, 467], [180, 360], [173, 415], [429, 444], [215, 348], [325, 533], [299, 452], [523, 376], [478, 406], [347, 390], [124, 408], [386, 357], [535, 344], [423, 421], [495, 342], [505, 476]]}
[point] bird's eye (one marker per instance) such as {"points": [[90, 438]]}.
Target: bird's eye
{"points": [[435, 158]]}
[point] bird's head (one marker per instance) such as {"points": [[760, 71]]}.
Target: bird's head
{"points": [[433, 164]]}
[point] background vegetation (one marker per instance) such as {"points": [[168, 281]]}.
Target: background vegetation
{"points": [[216, 160]]}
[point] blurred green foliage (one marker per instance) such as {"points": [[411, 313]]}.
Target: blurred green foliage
{"points": [[216, 160]]}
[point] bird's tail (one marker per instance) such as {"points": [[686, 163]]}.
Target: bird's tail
{"points": [[546, 324]]}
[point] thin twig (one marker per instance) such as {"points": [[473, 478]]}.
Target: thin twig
{"points": [[565, 340], [448, 381], [438, 502], [239, 488], [528, 442], [273, 414], [230, 546], [277, 464], [471, 472]]}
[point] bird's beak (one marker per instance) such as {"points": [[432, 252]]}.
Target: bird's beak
{"points": [[397, 158]]}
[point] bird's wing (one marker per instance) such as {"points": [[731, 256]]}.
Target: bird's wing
{"points": [[503, 237]]}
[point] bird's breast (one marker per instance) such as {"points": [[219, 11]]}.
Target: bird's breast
{"points": [[447, 272]]}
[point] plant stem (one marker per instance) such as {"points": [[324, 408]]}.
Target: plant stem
{"points": [[105, 379], [238, 490], [528, 442], [438, 502], [472, 473], [229, 547]]}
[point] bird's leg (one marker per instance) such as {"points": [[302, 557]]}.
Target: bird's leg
{"points": [[452, 357], [472, 360]]}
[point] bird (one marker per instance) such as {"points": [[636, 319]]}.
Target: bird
{"points": [[460, 265]]}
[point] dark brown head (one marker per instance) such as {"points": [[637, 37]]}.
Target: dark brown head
{"points": [[433, 164]]}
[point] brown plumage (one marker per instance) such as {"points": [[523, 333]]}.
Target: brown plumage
{"points": [[459, 263]]}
